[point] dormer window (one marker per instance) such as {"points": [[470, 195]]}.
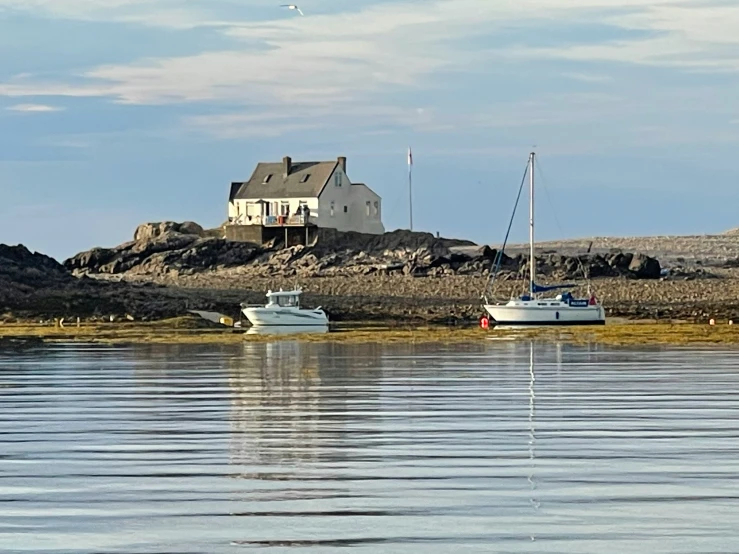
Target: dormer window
{"points": [[267, 178], [305, 178]]}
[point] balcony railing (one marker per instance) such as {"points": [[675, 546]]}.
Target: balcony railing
{"points": [[272, 220]]}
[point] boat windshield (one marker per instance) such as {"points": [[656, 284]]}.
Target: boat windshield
{"points": [[287, 301]]}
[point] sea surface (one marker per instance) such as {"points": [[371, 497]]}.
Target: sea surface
{"points": [[307, 447]]}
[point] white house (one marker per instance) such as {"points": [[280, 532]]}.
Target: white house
{"points": [[305, 193]]}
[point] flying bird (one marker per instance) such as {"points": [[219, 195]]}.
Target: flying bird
{"points": [[292, 7]]}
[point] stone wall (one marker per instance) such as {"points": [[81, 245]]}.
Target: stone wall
{"points": [[256, 234], [244, 233]]}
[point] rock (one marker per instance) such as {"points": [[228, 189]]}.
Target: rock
{"points": [[474, 252], [162, 248], [645, 267], [147, 231]]}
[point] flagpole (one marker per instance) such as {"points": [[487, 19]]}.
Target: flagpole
{"points": [[410, 185]]}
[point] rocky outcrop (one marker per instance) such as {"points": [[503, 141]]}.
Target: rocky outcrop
{"points": [[644, 267], [33, 285], [393, 241], [23, 271], [147, 231], [437, 282], [181, 248], [558, 267], [160, 248]]}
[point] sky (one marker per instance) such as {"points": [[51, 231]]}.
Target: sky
{"points": [[118, 112]]}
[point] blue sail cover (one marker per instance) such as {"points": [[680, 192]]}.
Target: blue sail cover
{"points": [[543, 288]]}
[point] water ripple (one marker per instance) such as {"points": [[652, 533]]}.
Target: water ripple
{"points": [[490, 447]]}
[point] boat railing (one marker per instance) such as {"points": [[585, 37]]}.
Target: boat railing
{"points": [[245, 305]]}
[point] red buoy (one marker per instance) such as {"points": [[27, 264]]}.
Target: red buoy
{"points": [[484, 322]]}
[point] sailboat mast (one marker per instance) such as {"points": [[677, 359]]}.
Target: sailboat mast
{"points": [[532, 259]]}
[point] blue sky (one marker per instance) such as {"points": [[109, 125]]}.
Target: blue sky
{"points": [[117, 112]]}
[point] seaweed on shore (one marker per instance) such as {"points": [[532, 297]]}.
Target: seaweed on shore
{"points": [[188, 331]]}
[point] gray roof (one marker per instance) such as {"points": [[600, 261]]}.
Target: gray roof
{"points": [[279, 186]]}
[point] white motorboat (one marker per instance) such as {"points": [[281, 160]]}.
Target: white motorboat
{"points": [[283, 308], [534, 309]]}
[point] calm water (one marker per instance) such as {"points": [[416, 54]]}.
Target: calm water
{"points": [[291, 447]]}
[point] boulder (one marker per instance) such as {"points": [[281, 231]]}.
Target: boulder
{"points": [[147, 231], [644, 267]]}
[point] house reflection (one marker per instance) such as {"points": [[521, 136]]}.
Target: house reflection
{"points": [[295, 404]]}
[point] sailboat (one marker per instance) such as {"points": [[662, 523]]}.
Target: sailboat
{"points": [[534, 307]]}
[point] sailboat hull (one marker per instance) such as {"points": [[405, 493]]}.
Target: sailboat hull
{"points": [[545, 312]]}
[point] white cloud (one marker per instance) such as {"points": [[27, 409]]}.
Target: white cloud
{"points": [[697, 36], [160, 13], [34, 108], [300, 71]]}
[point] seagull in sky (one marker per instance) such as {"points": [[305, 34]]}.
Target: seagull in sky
{"points": [[292, 7]]}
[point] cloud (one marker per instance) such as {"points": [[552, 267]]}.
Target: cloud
{"points": [[177, 14], [275, 122], [34, 108], [587, 77], [295, 73], [692, 36]]}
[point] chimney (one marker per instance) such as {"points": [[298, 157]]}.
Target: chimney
{"points": [[342, 163], [286, 165]]}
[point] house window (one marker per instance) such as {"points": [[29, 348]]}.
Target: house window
{"points": [[332, 209], [369, 207], [346, 209], [377, 207], [266, 179], [305, 178], [284, 208], [337, 179]]}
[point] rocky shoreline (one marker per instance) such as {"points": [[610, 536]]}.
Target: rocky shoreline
{"points": [[401, 276]]}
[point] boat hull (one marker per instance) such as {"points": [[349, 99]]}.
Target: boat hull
{"points": [[286, 330], [285, 317], [545, 313]]}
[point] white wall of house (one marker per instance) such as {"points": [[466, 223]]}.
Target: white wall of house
{"points": [[368, 207], [276, 206], [343, 206], [340, 206]]}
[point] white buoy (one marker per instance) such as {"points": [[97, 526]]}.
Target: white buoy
{"points": [[711, 321], [731, 322]]}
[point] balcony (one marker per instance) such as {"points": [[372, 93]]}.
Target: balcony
{"points": [[273, 220]]}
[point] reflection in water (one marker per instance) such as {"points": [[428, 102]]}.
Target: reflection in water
{"points": [[532, 435], [287, 330], [308, 447], [292, 399]]}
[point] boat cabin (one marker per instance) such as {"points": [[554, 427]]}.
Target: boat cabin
{"points": [[283, 298]]}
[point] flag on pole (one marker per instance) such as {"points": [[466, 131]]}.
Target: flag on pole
{"points": [[410, 156]]}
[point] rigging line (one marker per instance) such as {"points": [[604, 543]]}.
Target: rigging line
{"points": [[556, 219], [499, 255]]}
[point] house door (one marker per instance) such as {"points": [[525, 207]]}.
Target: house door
{"points": [[267, 209]]}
